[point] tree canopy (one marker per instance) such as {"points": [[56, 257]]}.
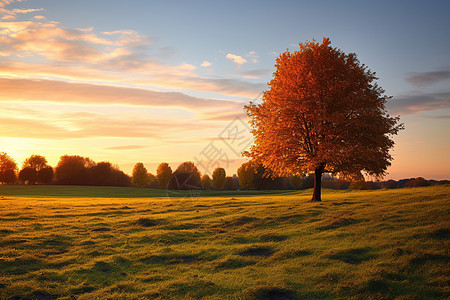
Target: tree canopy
{"points": [[323, 112], [8, 169], [163, 173], [207, 182], [185, 177], [78, 170], [219, 178], [36, 162], [35, 170], [140, 176]]}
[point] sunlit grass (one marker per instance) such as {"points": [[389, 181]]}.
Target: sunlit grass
{"points": [[355, 244]]}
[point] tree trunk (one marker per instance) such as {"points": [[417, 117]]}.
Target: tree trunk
{"points": [[318, 183]]}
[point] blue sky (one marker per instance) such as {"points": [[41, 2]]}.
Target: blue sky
{"points": [[129, 81]]}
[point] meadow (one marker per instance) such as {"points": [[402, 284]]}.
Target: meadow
{"points": [[127, 243]]}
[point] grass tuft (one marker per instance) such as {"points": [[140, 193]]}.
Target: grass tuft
{"points": [[147, 222], [257, 251]]}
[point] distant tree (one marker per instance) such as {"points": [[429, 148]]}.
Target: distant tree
{"points": [[246, 173], [295, 182], [416, 182], [106, 174], [255, 176], [73, 170], [364, 185], [207, 183], [219, 177], [390, 184], [263, 179], [229, 185], [152, 181], [28, 175], [120, 178], [45, 175], [186, 177], [330, 182], [140, 175], [163, 174], [324, 112], [341, 184], [101, 174], [308, 181], [37, 163], [8, 169]]}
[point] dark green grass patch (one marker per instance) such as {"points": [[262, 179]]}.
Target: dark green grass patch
{"points": [[271, 293], [257, 251], [436, 258], [83, 289], [241, 221], [297, 253], [184, 226], [147, 222], [234, 263], [353, 256], [173, 258], [273, 238], [339, 222], [292, 218], [6, 231], [440, 234], [36, 295]]}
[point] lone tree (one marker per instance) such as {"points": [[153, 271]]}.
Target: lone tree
{"points": [[323, 112]]}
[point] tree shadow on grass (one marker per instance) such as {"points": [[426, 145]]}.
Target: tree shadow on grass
{"points": [[353, 256], [234, 263], [340, 222], [271, 293], [257, 251]]}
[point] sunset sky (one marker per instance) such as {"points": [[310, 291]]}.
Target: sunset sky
{"points": [[129, 81]]}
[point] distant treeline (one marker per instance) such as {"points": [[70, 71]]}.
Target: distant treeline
{"points": [[78, 170]]}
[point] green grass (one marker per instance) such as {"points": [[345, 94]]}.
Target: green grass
{"points": [[126, 243], [74, 191]]}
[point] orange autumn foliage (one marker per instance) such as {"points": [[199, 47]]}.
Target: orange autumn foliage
{"points": [[323, 112]]}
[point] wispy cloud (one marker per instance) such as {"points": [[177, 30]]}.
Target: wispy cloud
{"points": [[10, 14], [238, 60], [256, 73], [3, 3], [205, 64], [417, 103], [81, 125], [428, 78], [43, 49], [252, 56], [83, 93], [128, 147], [24, 11]]}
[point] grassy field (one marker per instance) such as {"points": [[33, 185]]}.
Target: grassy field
{"points": [[110, 243]]}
